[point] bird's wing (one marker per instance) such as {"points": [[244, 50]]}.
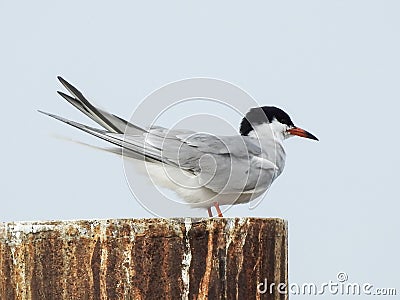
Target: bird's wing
{"points": [[107, 120], [227, 164], [236, 145]]}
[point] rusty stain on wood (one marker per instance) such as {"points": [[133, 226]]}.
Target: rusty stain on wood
{"points": [[217, 258]]}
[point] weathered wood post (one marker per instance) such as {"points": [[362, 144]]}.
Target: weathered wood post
{"points": [[218, 258]]}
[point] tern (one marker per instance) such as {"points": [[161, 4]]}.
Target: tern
{"points": [[204, 169]]}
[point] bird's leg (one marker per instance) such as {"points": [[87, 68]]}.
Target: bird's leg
{"points": [[218, 210], [209, 212]]}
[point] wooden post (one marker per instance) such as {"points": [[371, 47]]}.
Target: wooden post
{"points": [[217, 258]]}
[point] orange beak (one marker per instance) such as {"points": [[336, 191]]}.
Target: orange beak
{"points": [[301, 132]]}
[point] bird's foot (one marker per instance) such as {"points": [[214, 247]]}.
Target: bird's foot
{"points": [[219, 212], [209, 212], [216, 205]]}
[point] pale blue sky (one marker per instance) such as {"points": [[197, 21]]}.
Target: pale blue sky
{"points": [[332, 65]]}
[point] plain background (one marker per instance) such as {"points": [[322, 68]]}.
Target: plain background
{"points": [[332, 65]]}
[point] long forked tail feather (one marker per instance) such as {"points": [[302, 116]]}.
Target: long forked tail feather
{"points": [[114, 130], [117, 139], [107, 120]]}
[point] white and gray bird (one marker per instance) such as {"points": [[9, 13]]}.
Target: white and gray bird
{"points": [[205, 170]]}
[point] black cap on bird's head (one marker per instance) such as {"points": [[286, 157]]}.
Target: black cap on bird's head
{"points": [[268, 114]]}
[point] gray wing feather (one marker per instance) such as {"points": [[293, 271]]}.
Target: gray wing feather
{"points": [[227, 164], [239, 146]]}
